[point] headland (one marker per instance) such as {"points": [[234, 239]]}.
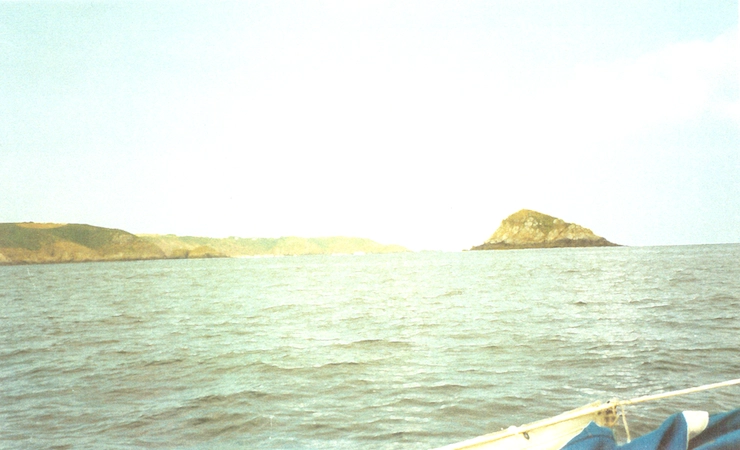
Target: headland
{"points": [[532, 229], [40, 243]]}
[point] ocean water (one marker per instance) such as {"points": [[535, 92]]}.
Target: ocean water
{"points": [[401, 351]]}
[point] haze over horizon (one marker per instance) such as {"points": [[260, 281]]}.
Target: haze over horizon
{"points": [[422, 124]]}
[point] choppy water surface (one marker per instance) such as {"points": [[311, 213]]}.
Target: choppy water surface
{"points": [[375, 351]]}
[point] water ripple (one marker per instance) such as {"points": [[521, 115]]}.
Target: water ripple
{"points": [[387, 351]]}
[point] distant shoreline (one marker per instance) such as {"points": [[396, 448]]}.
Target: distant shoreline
{"points": [[46, 243]]}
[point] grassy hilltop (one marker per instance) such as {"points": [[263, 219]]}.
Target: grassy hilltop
{"points": [[532, 229], [33, 243]]}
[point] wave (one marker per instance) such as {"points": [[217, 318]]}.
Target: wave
{"points": [[164, 362], [371, 344], [451, 293], [307, 359]]}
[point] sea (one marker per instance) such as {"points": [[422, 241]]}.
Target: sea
{"points": [[395, 351]]}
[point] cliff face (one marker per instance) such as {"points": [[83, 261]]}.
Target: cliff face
{"points": [[32, 243], [36, 243], [234, 246], [531, 229]]}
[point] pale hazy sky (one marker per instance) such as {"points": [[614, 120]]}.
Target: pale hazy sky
{"points": [[416, 123]]}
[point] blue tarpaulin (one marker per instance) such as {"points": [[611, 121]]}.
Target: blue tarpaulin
{"points": [[722, 433]]}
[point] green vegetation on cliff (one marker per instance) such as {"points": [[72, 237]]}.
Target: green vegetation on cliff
{"points": [[28, 243], [531, 229], [234, 246], [33, 243]]}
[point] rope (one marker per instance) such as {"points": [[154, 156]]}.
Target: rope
{"points": [[706, 387], [624, 422], [591, 409], [647, 398], [613, 404]]}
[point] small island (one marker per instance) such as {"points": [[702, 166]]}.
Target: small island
{"points": [[40, 243], [531, 229]]}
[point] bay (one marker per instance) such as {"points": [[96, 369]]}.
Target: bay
{"points": [[411, 350]]}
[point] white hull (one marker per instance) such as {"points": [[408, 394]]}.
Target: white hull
{"points": [[548, 434], [555, 432]]}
